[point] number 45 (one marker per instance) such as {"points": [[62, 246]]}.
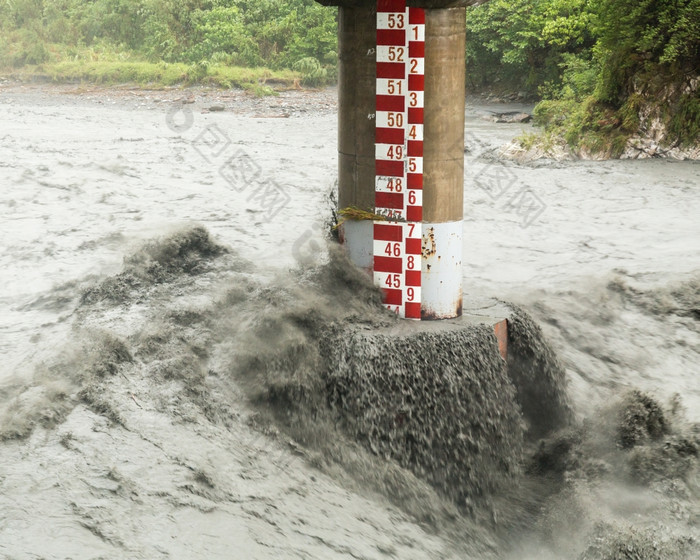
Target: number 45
{"points": [[393, 280]]}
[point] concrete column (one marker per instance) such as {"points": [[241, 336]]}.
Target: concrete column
{"points": [[443, 163], [356, 102], [443, 147]]}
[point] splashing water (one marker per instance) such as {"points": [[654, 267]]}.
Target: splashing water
{"points": [[196, 400]]}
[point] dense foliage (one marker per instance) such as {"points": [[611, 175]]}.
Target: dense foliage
{"points": [[596, 63], [525, 43], [273, 33], [544, 45], [606, 68]]}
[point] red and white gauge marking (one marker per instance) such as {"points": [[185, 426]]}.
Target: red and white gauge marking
{"points": [[399, 155]]}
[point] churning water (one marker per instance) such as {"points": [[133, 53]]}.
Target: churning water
{"points": [[170, 400]]}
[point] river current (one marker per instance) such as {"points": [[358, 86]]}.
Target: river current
{"points": [[605, 256]]}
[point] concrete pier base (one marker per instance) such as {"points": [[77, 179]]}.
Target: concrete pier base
{"points": [[454, 400], [451, 401], [487, 313], [434, 396]]}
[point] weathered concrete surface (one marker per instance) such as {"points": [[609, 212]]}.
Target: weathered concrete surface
{"points": [[443, 159], [443, 146]]}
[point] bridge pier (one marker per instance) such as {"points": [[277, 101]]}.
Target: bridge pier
{"points": [[440, 189]]}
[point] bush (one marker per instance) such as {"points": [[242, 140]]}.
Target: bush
{"points": [[221, 30], [523, 44], [313, 73], [684, 125], [21, 47], [269, 33]]}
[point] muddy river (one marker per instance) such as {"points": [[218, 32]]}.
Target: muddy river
{"points": [[605, 256]]}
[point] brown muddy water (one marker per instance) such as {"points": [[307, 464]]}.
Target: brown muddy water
{"points": [[190, 371]]}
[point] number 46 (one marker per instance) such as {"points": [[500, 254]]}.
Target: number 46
{"points": [[393, 249]]}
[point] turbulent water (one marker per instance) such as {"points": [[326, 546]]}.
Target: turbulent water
{"points": [[131, 425]]}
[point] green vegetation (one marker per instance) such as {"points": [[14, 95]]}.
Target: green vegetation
{"points": [[109, 72], [605, 69], [524, 43], [170, 41]]}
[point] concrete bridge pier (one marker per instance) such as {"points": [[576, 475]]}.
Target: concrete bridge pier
{"points": [[441, 156]]}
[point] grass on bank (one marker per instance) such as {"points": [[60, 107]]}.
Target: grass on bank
{"points": [[591, 126], [587, 126], [107, 65], [160, 74]]}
